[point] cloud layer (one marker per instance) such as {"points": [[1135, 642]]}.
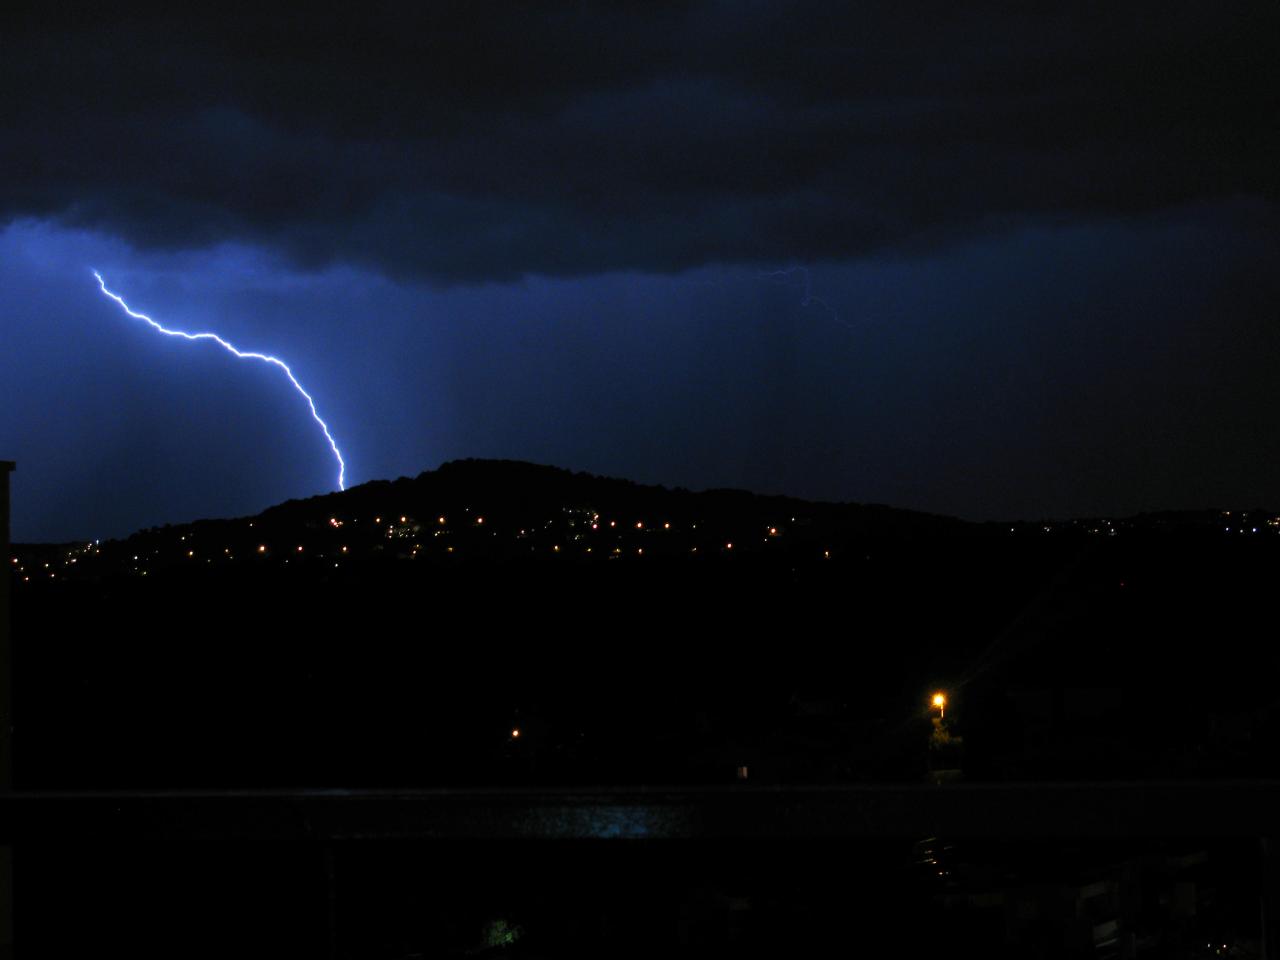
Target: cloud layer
{"points": [[468, 143]]}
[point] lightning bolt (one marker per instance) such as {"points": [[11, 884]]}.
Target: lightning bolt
{"points": [[243, 355], [807, 299]]}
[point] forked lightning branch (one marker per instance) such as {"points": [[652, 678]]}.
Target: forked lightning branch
{"points": [[243, 355]]}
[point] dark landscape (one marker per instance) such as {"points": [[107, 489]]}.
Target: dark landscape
{"points": [[394, 635], [522, 637]]}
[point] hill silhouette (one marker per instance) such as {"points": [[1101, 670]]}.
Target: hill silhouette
{"points": [[398, 632]]}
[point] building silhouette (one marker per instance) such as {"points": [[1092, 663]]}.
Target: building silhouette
{"points": [[6, 715]]}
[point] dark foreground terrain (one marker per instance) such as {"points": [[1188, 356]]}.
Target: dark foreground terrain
{"points": [[499, 626], [397, 634]]}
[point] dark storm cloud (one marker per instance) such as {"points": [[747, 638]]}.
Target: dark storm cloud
{"points": [[470, 142]]}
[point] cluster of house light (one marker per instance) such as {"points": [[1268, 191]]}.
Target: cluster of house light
{"points": [[407, 528], [48, 570]]}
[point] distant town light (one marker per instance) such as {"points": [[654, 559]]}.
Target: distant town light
{"points": [[515, 733]]}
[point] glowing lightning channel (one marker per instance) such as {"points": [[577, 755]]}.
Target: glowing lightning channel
{"points": [[243, 355], [807, 298]]}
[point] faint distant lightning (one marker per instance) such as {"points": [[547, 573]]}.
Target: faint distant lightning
{"points": [[243, 355], [807, 298]]}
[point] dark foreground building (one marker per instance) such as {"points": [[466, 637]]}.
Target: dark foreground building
{"points": [[6, 714]]}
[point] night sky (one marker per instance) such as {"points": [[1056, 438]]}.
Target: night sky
{"points": [[973, 258]]}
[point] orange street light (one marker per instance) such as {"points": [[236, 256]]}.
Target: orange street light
{"points": [[940, 701]]}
